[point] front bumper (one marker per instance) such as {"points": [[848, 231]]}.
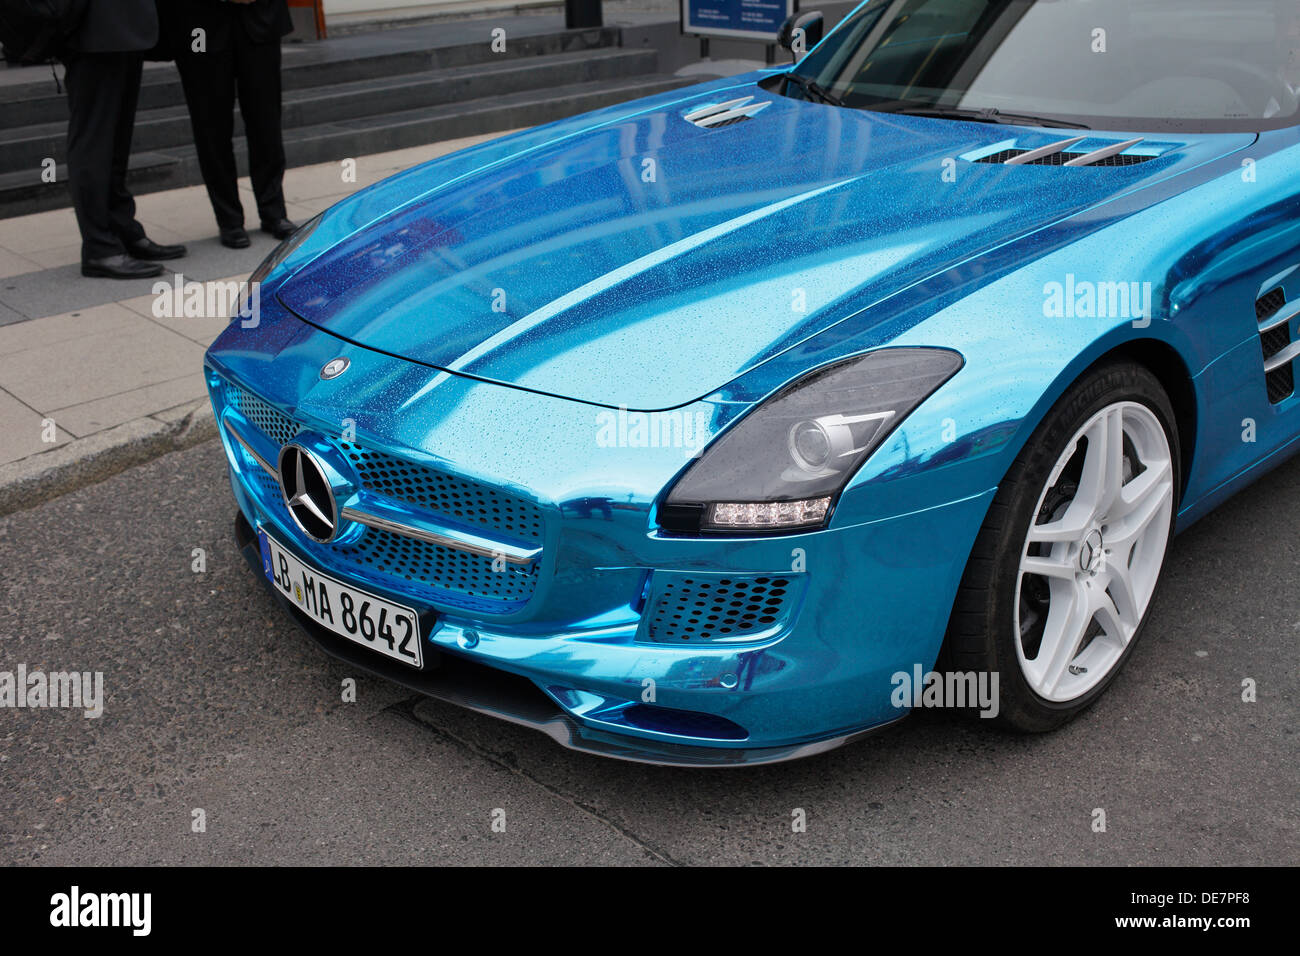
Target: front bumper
{"points": [[617, 640], [466, 683], [822, 681]]}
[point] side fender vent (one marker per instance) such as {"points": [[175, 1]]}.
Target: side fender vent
{"points": [[1277, 344]]}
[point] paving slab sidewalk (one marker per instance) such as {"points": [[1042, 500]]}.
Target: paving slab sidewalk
{"points": [[91, 379]]}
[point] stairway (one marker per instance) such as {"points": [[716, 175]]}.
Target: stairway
{"points": [[345, 98]]}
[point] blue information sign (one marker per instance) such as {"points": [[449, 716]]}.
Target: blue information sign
{"points": [[744, 19]]}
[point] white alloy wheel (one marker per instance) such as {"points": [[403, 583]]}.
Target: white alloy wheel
{"points": [[1094, 551]]}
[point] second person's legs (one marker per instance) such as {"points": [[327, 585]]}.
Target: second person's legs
{"points": [[209, 82], [257, 78]]}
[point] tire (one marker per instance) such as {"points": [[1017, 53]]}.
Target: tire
{"points": [[1101, 562]]}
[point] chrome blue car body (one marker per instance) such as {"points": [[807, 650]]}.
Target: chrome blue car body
{"points": [[500, 306]]}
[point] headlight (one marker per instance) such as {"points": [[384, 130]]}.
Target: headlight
{"points": [[782, 466]]}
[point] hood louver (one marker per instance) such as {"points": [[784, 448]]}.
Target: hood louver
{"points": [[726, 114], [1064, 153]]}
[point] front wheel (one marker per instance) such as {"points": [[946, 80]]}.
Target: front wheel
{"points": [[1061, 577]]}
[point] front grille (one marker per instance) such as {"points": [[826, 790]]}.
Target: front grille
{"points": [[266, 487], [421, 571], [711, 607], [465, 579], [466, 501], [278, 427]]}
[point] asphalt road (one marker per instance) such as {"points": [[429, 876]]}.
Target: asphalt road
{"points": [[214, 701]]}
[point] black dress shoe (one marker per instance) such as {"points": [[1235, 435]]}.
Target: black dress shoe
{"points": [[151, 251], [120, 266], [280, 228], [235, 238]]}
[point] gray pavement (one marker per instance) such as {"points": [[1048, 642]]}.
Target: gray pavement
{"points": [[216, 702]]}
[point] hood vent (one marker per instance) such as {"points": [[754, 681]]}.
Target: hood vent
{"points": [[729, 113], [1066, 153], [1279, 349]]}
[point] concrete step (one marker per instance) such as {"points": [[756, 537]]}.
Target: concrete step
{"points": [[21, 192], [162, 127], [350, 59]]}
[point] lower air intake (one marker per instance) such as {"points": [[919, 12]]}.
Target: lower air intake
{"points": [[712, 608]]}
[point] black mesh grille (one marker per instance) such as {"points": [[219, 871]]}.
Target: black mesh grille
{"points": [[1269, 305], [278, 427], [732, 121], [715, 608], [469, 577], [1281, 383], [997, 159], [1122, 159], [1275, 340]]}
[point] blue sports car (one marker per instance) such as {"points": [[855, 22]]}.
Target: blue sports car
{"points": [[731, 424]]}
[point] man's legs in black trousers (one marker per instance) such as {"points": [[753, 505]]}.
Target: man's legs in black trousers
{"points": [[103, 89], [209, 82], [257, 73]]}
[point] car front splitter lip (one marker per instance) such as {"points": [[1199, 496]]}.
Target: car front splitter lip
{"points": [[497, 693]]}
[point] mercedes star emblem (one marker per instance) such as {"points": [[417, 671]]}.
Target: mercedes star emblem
{"points": [[334, 368], [307, 493]]}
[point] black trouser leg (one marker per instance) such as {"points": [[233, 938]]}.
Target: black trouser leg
{"points": [[209, 83], [257, 75], [121, 204], [102, 92]]}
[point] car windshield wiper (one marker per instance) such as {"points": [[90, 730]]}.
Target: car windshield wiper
{"points": [[991, 115], [814, 88]]}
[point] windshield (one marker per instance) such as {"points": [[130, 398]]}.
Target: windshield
{"points": [[1205, 65]]}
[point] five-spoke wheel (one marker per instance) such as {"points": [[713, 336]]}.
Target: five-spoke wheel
{"points": [[1063, 572]]}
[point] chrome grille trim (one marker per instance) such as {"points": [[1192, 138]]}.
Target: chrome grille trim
{"points": [[455, 540], [480, 547], [446, 497], [269, 468]]}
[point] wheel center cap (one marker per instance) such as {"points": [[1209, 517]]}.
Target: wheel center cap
{"points": [[1091, 553]]}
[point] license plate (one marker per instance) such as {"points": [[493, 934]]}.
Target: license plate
{"points": [[390, 629]]}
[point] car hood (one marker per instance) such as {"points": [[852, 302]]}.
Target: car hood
{"points": [[632, 258]]}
